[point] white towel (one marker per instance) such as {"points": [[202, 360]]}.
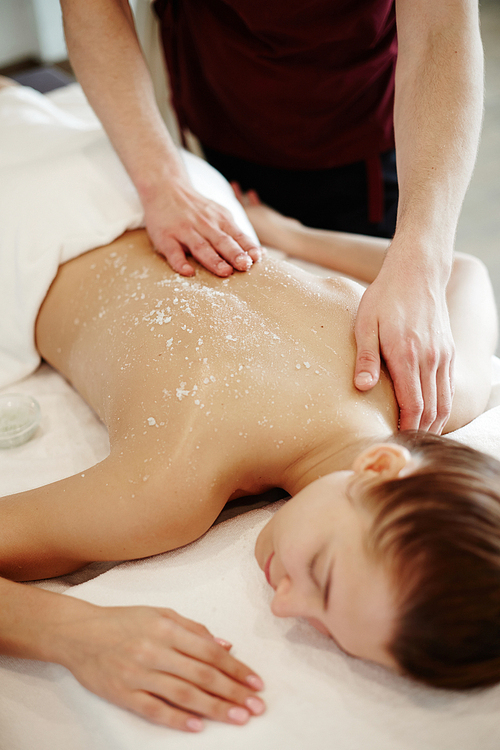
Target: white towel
{"points": [[63, 191]]}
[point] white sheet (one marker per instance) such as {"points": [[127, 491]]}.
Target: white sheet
{"points": [[317, 697]]}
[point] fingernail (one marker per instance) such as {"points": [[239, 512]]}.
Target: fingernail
{"points": [[194, 724], [254, 682], [238, 715], [244, 261], [223, 643], [223, 267], [255, 705], [363, 378]]}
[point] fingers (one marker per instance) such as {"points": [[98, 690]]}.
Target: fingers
{"points": [[218, 251], [250, 198], [444, 391], [405, 374], [194, 627], [367, 368], [175, 256], [185, 674], [424, 391], [203, 690]]}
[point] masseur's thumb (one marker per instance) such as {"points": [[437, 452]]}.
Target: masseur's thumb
{"points": [[367, 369]]}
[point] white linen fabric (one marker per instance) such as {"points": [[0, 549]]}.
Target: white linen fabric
{"points": [[317, 697], [63, 191]]}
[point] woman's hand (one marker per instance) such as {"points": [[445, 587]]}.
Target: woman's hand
{"points": [[181, 221], [159, 665], [271, 227]]}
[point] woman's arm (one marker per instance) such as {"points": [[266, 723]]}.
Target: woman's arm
{"points": [[107, 59], [150, 661], [112, 511], [354, 255], [134, 656]]}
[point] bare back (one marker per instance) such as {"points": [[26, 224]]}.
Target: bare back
{"points": [[211, 389], [250, 371]]}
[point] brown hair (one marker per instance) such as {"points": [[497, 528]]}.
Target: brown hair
{"points": [[439, 528]]}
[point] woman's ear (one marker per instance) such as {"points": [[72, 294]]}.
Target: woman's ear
{"points": [[383, 461]]}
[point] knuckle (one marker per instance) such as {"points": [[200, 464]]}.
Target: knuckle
{"points": [[225, 243], [236, 693], [141, 650], [167, 629], [213, 652], [199, 247], [367, 357], [414, 408], [204, 675], [429, 417], [444, 409], [182, 694], [432, 357], [217, 709], [151, 709]]}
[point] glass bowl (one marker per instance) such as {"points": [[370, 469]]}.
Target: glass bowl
{"points": [[19, 419]]}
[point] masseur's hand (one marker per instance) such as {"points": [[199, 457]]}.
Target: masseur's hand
{"points": [[403, 316], [182, 222], [159, 665]]}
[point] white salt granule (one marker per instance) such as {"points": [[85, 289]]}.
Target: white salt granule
{"points": [[151, 421], [181, 392]]}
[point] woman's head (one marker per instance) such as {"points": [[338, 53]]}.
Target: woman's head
{"points": [[439, 526], [399, 559]]}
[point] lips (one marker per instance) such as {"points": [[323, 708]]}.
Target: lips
{"points": [[267, 568]]}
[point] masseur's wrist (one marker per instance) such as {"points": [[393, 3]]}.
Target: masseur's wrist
{"points": [[164, 178], [423, 253]]}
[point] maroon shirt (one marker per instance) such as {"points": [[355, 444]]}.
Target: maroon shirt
{"points": [[298, 84]]}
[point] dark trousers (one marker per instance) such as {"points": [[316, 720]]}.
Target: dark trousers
{"points": [[339, 198]]}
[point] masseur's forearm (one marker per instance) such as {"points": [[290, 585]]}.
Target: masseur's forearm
{"points": [[437, 117], [107, 59]]}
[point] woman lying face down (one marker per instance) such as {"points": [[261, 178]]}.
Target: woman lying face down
{"points": [[398, 560]]}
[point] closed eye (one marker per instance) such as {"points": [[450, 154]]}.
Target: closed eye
{"points": [[326, 588]]}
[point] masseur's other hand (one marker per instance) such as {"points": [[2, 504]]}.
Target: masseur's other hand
{"points": [[181, 222], [161, 666], [403, 315]]}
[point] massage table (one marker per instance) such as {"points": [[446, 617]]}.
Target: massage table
{"points": [[317, 697]]}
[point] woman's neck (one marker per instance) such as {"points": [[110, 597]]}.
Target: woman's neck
{"points": [[327, 457]]}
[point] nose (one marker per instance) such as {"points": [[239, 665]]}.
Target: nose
{"points": [[286, 601]]}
